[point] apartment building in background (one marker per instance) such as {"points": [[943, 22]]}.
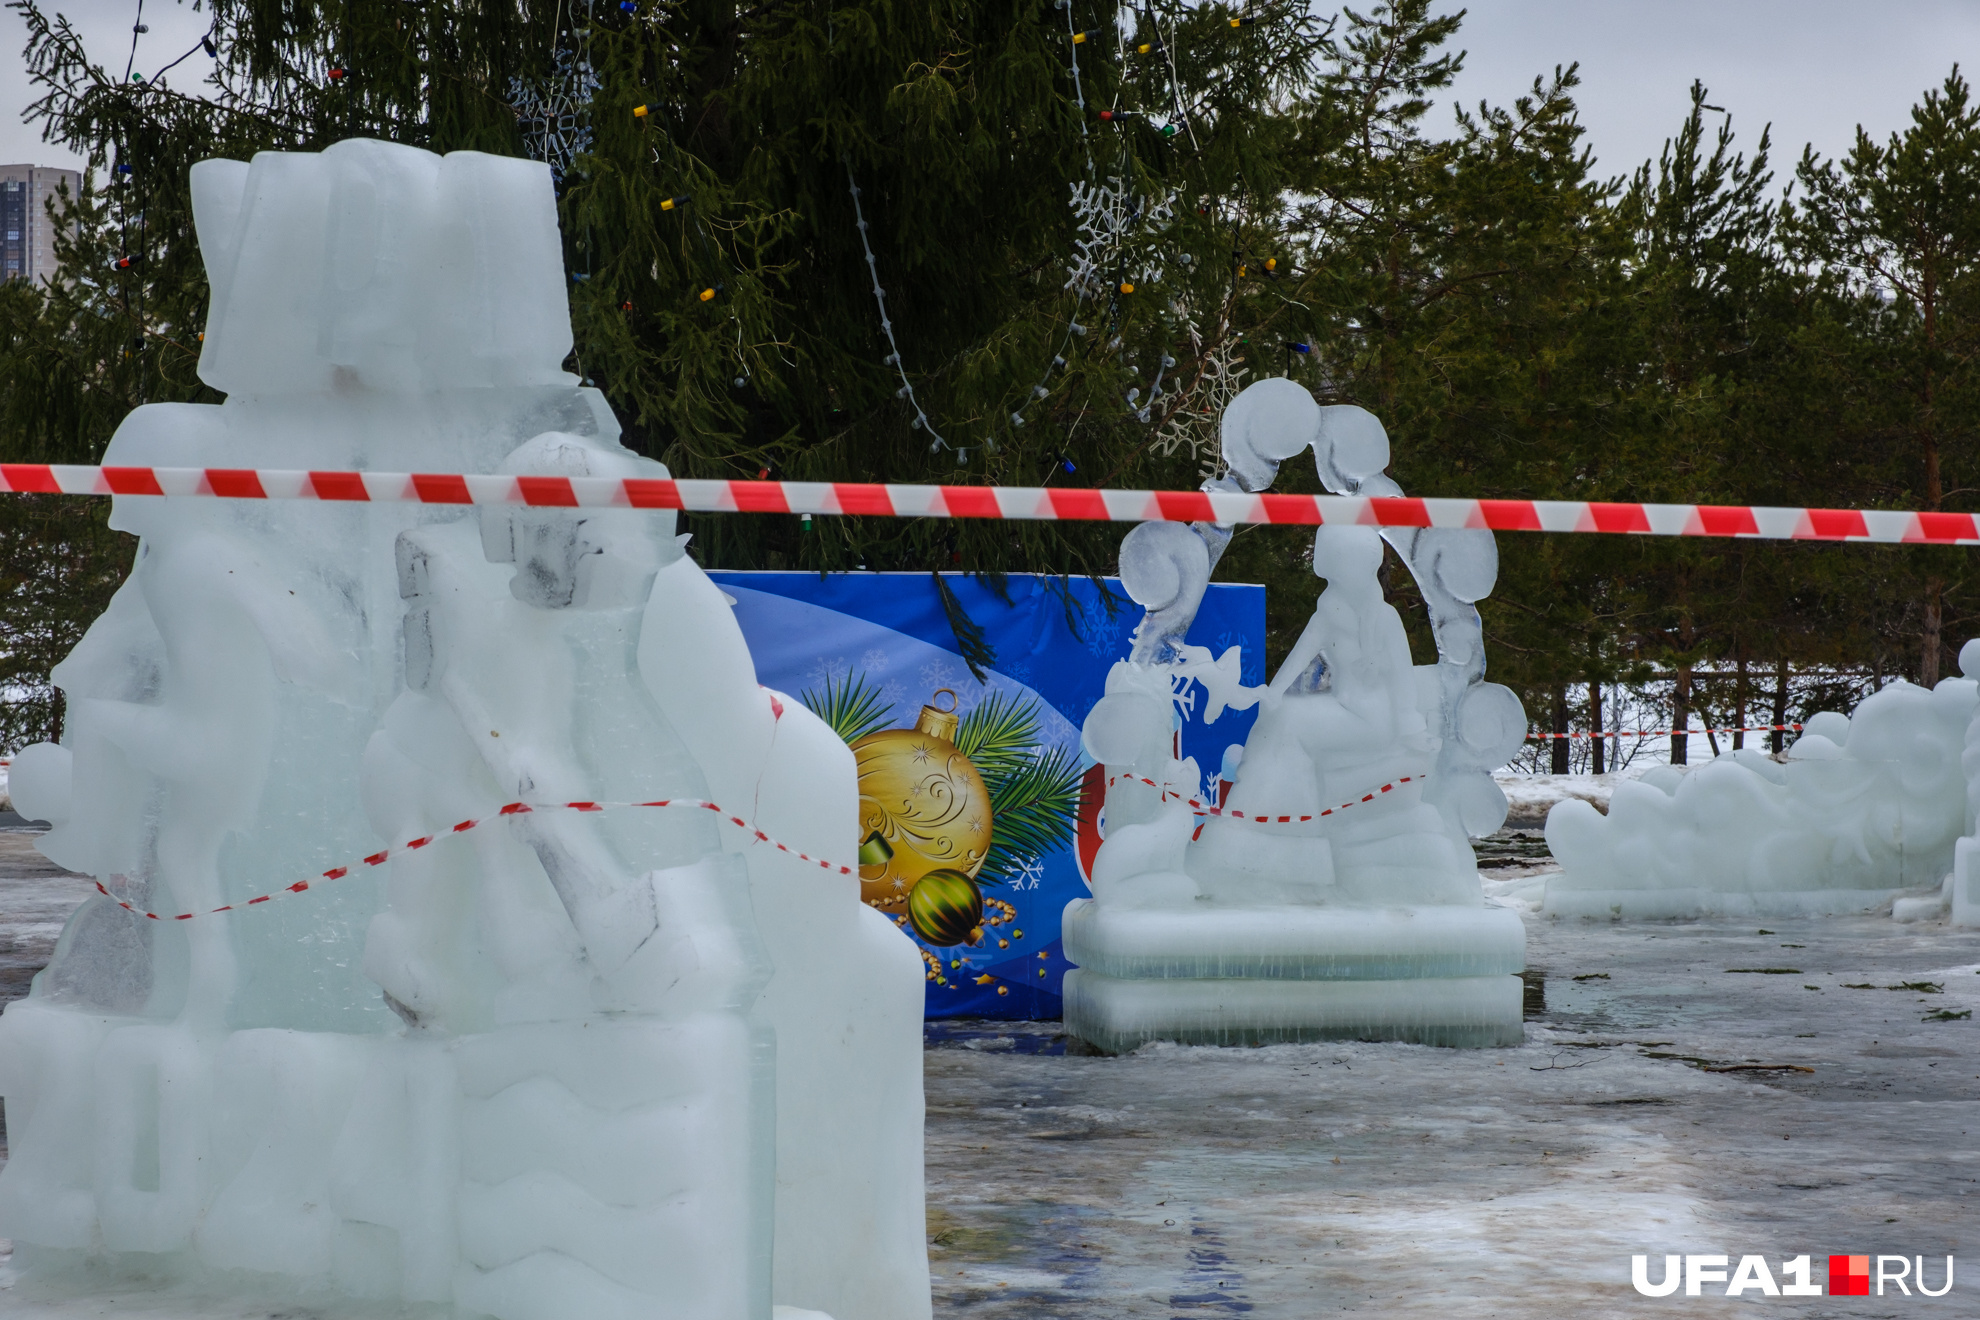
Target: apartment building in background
{"points": [[27, 236]]}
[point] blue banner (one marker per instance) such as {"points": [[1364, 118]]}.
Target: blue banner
{"points": [[979, 813]]}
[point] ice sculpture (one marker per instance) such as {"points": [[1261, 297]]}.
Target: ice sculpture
{"points": [[581, 1065], [1334, 892], [1864, 808]]}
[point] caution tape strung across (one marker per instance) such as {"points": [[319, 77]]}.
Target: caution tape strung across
{"points": [[1205, 809], [1006, 502], [512, 809], [1662, 733]]}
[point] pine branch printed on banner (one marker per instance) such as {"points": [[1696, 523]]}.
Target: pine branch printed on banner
{"points": [[850, 706]]}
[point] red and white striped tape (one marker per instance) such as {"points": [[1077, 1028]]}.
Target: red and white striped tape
{"points": [[512, 809], [1205, 809], [1663, 733], [1008, 502]]}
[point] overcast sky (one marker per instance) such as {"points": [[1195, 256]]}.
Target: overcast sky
{"points": [[1815, 69]]}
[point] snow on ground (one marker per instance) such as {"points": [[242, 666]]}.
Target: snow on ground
{"points": [[1530, 797]]}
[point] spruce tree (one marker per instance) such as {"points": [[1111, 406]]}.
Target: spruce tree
{"points": [[1891, 234]]}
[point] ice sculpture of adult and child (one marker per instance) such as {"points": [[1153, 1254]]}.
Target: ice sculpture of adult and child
{"points": [[573, 1066], [1872, 810], [1294, 916]]}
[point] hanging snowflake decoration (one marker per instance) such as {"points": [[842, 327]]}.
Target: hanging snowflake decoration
{"points": [[1106, 215], [1196, 420], [555, 117]]}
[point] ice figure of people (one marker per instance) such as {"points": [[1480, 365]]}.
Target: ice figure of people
{"points": [[565, 1064], [1334, 891]]}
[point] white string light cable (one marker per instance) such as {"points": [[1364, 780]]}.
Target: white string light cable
{"points": [[906, 391], [894, 359], [1090, 201]]}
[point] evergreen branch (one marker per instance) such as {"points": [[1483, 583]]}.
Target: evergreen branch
{"points": [[1034, 810], [998, 734], [971, 643], [850, 707]]}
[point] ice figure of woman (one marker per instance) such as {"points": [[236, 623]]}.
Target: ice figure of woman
{"points": [[1345, 694], [1339, 720]]}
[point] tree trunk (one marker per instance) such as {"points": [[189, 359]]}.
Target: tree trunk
{"points": [[1680, 714], [1779, 735], [1595, 747], [1930, 642], [1739, 703], [59, 708], [1560, 739]]}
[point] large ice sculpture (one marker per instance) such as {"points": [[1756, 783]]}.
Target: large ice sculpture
{"points": [[573, 1065], [1337, 893], [1865, 807]]}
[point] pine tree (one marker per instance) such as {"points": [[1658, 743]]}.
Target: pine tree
{"points": [[1893, 229]]}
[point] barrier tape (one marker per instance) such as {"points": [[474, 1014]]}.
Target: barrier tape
{"points": [[1204, 809], [1006, 502], [512, 809], [1664, 733]]}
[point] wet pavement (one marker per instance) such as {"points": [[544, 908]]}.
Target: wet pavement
{"points": [[1697, 1088]]}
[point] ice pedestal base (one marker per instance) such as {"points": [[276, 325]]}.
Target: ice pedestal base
{"points": [[1465, 1011], [1249, 976], [589, 1170]]}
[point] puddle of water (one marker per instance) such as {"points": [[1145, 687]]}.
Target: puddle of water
{"points": [[1533, 994], [993, 1037], [1511, 847]]}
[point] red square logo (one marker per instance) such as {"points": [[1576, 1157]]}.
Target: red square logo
{"points": [[1849, 1276]]}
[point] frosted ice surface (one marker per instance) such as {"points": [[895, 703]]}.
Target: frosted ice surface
{"points": [[1268, 422], [563, 1065], [1165, 567], [1351, 446], [1293, 915], [1866, 807]]}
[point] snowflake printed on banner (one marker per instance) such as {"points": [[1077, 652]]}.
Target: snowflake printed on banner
{"points": [[1106, 214], [1104, 633], [555, 117], [826, 670], [1028, 874], [938, 674]]}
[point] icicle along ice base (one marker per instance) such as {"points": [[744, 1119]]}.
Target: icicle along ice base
{"points": [[566, 1066], [1327, 888]]}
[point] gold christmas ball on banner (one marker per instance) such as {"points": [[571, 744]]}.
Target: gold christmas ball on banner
{"points": [[922, 807]]}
